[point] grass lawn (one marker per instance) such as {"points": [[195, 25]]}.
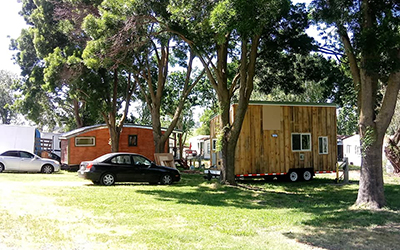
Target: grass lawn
{"points": [[61, 211]]}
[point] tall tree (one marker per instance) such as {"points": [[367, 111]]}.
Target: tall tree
{"points": [[140, 45], [55, 68], [6, 96], [236, 31], [301, 78], [369, 34], [45, 52]]}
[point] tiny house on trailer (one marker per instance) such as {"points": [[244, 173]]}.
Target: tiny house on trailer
{"points": [[282, 139], [88, 143]]}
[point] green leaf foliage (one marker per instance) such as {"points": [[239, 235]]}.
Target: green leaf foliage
{"points": [[7, 113]]}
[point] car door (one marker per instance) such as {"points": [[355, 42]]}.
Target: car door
{"points": [[143, 169], [29, 162], [123, 168], [11, 160]]}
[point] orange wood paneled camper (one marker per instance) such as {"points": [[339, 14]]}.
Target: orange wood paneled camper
{"points": [[292, 139], [88, 143]]}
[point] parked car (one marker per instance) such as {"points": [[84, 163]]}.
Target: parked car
{"points": [[126, 167], [23, 161], [55, 156]]}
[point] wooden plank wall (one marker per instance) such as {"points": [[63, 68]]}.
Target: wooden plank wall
{"points": [[269, 151]]}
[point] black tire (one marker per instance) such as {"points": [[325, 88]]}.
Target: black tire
{"points": [[107, 179], [166, 179], [1, 167], [47, 169], [307, 175], [293, 176]]}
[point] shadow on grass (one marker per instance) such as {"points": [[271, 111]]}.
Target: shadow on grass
{"points": [[335, 224]]}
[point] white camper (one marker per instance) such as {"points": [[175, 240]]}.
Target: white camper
{"points": [[19, 137]]}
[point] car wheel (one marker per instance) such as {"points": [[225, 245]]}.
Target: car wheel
{"points": [[107, 179], [166, 179], [1, 167], [293, 176], [307, 175], [47, 169]]}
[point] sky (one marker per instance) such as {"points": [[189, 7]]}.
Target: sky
{"points": [[12, 23]]}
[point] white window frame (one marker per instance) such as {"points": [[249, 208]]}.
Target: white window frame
{"points": [[214, 144], [86, 138], [324, 140], [301, 142]]}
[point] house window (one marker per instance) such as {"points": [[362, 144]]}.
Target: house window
{"points": [[357, 150], [132, 140], [348, 148], [214, 144], [323, 145], [85, 141], [208, 147], [301, 142]]}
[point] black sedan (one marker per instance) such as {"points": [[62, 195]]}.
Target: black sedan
{"points": [[126, 167]]}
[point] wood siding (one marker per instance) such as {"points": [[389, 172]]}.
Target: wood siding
{"points": [[261, 151], [76, 154]]}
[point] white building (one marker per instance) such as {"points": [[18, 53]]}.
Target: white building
{"points": [[201, 144], [352, 149]]}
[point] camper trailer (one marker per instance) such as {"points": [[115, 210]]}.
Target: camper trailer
{"points": [[295, 140], [88, 143]]}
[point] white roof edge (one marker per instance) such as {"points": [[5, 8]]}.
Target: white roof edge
{"points": [[82, 130]]}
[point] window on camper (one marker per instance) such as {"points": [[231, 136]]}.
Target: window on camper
{"points": [[301, 142], [132, 140], [85, 141], [323, 145]]}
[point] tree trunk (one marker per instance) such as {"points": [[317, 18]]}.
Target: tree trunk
{"points": [[159, 144], [371, 191], [392, 151], [226, 150], [114, 138], [78, 119]]}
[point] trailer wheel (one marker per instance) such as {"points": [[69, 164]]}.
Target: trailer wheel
{"points": [[293, 176], [307, 175]]}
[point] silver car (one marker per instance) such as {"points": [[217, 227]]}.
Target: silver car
{"points": [[23, 161]]}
